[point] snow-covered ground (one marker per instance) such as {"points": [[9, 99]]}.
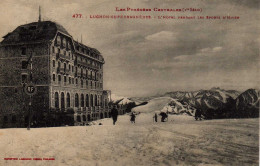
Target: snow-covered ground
{"points": [[153, 105], [180, 141], [163, 104]]}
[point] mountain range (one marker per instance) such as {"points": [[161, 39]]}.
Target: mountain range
{"points": [[214, 103], [220, 103]]}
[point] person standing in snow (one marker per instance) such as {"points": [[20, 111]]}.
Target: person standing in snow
{"points": [[155, 117], [198, 114], [132, 117], [114, 114], [164, 116]]}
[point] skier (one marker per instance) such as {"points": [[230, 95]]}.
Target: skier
{"points": [[114, 114]]}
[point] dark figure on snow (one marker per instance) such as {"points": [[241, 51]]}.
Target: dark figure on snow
{"points": [[114, 114], [164, 116], [132, 117], [198, 114], [155, 117]]}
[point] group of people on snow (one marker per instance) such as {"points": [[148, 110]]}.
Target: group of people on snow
{"points": [[164, 116]]}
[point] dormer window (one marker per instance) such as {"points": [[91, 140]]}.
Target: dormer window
{"points": [[64, 42], [58, 40]]}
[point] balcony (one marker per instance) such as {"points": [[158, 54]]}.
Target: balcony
{"points": [[84, 76], [67, 71], [85, 64], [60, 70], [62, 56], [82, 63]]}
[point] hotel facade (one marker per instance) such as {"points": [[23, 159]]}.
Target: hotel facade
{"points": [[67, 75]]}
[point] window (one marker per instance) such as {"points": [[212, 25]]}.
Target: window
{"points": [[59, 78], [53, 77], [53, 63], [24, 64], [65, 79], [72, 80], [23, 51], [82, 100], [24, 78], [87, 100], [78, 118], [69, 67], [65, 66], [56, 100], [81, 83], [62, 98], [95, 100], [72, 68], [64, 42], [76, 100], [68, 100], [91, 100], [53, 49], [76, 81], [58, 40], [69, 80]]}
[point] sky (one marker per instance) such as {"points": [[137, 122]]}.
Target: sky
{"points": [[148, 57]]}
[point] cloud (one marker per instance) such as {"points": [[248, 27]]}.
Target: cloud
{"points": [[163, 36]]}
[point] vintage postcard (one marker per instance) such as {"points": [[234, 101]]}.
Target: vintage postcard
{"points": [[129, 83]]}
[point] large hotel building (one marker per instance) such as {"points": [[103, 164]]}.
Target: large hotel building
{"points": [[67, 74]]}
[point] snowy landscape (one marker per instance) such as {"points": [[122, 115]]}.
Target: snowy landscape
{"points": [[181, 140]]}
